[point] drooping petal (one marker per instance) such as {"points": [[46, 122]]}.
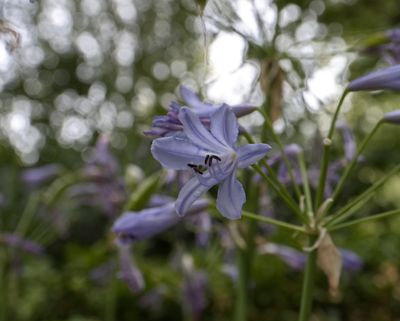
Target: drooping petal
{"points": [[176, 152], [224, 126], [242, 109], [231, 197], [193, 100], [197, 133], [189, 193], [252, 153], [136, 226]]}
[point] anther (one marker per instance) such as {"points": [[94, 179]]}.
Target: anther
{"points": [[213, 157], [206, 160]]}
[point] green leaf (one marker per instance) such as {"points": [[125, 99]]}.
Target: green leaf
{"points": [[142, 194]]}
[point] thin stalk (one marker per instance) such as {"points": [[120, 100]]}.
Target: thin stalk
{"points": [[27, 214], [245, 255], [365, 219], [326, 153], [241, 293], [3, 282], [307, 293], [111, 299], [272, 221], [277, 140], [306, 187], [293, 206], [271, 172], [353, 162], [346, 211]]}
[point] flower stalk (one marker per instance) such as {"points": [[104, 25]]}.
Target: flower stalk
{"points": [[326, 153], [307, 293]]}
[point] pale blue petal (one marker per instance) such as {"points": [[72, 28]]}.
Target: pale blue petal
{"points": [[197, 133], [135, 226], [231, 197], [176, 152], [193, 100], [251, 154], [224, 126], [189, 193]]}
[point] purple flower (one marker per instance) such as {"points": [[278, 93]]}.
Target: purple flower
{"points": [[349, 143], [388, 46], [392, 117], [213, 157], [351, 261], [294, 258], [171, 124], [39, 175], [194, 293], [129, 272], [386, 78], [16, 241], [136, 226]]}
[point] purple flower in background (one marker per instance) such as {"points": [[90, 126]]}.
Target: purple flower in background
{"points": [[129, 272], [194, 293], [137, 226], [103, 186], [349, 143], [386, 78], [171, 124], [351, 261], [294, 258], [39, 175], [213, 157], [16, 241], [389, 50]]}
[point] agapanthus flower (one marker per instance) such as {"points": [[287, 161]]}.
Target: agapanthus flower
{"points": [[386, 78], [15, 241], [39, 175], [141, 225], [129, 272], [212, 155], [170, 123], [103, 186], [388, 46]]}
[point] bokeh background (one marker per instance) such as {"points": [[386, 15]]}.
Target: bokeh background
{"points": [[79, 83]]}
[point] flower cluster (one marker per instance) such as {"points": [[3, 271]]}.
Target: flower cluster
{"points": [[170, 123], [209, 151]]}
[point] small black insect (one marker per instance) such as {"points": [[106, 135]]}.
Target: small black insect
{"points": [[200, 169]]}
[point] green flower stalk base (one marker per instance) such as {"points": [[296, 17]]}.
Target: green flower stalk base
{"points": [[308, 285]]}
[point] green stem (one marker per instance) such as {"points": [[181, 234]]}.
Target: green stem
{"points": [[347, 210], [271, 172], [27, 214], [241, 298], [272, 221], [365, 219], [306, 187], [3, 282], [307, 293], [326, 153], [111, 299], [289, 202], [277, 140], [353, 162]]}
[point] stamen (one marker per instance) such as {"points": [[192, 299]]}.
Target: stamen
{"points": [[213, 157], [206, 160]]}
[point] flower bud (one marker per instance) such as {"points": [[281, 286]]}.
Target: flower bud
{"points": [[392, 117]]}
